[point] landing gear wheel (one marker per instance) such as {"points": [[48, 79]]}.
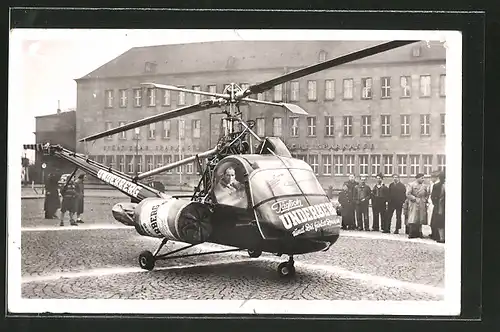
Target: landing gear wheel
{"points": [[147, 260], [286, 270], [254, 253]]}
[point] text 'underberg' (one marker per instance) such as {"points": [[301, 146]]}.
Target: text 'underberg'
{"points": [[122, 184], [306, 214]]}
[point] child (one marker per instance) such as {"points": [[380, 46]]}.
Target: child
{"points": [[68, 203]]}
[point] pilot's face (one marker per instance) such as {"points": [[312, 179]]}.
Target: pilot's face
{"points": [[229, 175]]}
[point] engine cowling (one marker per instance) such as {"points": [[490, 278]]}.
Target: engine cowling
{"points": [[172, 218]]}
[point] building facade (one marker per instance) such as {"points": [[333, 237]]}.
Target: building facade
{"points": [[58, 128], [384, 113]]}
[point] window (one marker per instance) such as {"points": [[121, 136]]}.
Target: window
{"points": [[386, 125], [189, 167], [212, 89], [388, 163], [442, 85], [109, 98], [182, 97], [366, 85], [166, 129], [425, 85], [348, 125], [311, 90], [168, 160], [375, 164], [302, 157], [100, 159], [151, 97], [294, 127], [405, 125], [277, 127], [363, 165], [139, 163], [159, 160], [261, 127], [196, 97], [109, 126], [123, 134], [386, 87], [327, 164], [130, 164], [405, 86], [339, 165], [330, 89], [311, 126], [329, 126], [402, 165], [137, 133], [322, 56], [349, 163], [123, 98], [149, 163], [313, 162], [110, 161], [278, 92], [260, 96], [443, 126], [414, 165], [427, 161], [294, 87], [178, 170], [166, 97], [197, 128], [425, 124], [152, 131], [181, 127], [441, 162], [366, 125], [137, 97], [121, 163], [348, 86]]}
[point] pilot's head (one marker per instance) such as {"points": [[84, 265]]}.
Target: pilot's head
{"points": [[229, 175]]}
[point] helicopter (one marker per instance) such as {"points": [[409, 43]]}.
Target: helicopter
{"points": [[253, 197]]}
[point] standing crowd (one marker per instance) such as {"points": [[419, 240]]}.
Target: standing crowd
{"points": [[72, 193], [411, 200]]}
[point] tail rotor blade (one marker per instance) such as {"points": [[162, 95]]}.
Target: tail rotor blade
{"points": [[153, 119]]}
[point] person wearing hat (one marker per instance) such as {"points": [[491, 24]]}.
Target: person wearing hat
{"points": [[52, 202], [79, 195], [417, 194], [438, 212], [397, 198], [434, 180], [362, 195], [380, 197]]}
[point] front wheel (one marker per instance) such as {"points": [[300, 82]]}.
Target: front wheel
{"points": [[147, 260], [286, 270]]}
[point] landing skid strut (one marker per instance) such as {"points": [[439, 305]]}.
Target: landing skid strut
{"points": [[147, 259]]}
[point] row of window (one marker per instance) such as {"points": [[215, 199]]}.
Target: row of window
{"points": [[324, 164], [371, 165], [128, 163], [386, 126], [277, 93]]}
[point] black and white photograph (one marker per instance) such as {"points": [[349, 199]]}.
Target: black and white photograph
{"points": [[234, 171]]}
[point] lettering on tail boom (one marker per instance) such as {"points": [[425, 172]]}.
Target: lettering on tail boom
{"points": [[130, 188]]}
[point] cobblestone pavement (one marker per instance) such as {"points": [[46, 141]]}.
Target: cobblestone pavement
{"points": [[73, 262]]}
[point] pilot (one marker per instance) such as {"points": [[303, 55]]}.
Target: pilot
{"points": [[229, 191]]}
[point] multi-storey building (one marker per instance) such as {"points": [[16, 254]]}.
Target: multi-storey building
{"points": [[384, 113]]}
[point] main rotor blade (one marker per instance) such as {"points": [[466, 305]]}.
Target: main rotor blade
{"points": [[155, 118], [174, 88], [264, 86], [296, 109]]}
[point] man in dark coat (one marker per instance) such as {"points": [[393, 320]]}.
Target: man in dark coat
{"points": [[397, 197], [362, 195], [438, 211], [79, 195], [380, 197], [52, 202], [346, 208], [68, 202]]}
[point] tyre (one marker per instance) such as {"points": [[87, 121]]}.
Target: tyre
{"points": [[147, 260], [286, 270]]}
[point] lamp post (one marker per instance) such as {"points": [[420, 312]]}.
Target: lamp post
{"points": [[137, 135], [181, 135]]}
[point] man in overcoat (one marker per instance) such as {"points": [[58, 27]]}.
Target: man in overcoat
{"points": [[397, 197], [417, 194]]}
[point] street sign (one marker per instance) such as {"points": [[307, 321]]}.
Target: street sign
{"points": [[44, 165]]}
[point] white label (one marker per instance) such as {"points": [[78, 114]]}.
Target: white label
{"points": [[307, 214], [122, 184]]}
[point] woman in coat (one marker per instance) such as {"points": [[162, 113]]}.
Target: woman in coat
{"points": [[417, 194], [52, 202]]}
